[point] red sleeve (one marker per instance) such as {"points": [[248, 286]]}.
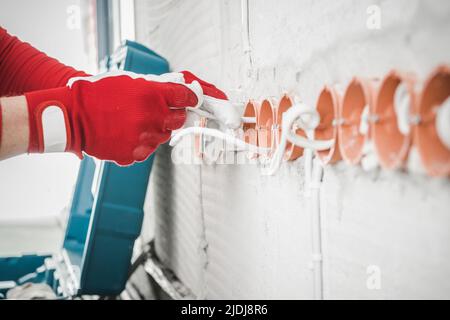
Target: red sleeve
{"points": [[24, 68]]}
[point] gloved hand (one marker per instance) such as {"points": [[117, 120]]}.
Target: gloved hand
{"points": [[215, 102], [118, 116]]}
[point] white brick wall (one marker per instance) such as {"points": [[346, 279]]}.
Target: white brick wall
{"points": [[229, 232]]}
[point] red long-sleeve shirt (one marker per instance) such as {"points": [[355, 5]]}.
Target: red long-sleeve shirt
{"points": [[24, 68]]}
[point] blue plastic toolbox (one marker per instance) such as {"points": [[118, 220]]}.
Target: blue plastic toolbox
{"points": [[105, 216]]}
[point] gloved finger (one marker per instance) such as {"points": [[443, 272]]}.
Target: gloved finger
{"points": [[224, 111], [180, 96], [153, 138], [208, 88], [214, 92], [142, 152], [146, 138], [123, 163], [175, 120]]}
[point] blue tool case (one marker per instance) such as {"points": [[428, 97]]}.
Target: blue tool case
{"points": [[105, 217]]}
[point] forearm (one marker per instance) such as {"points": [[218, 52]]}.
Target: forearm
{"points": [[14, 135], [23, 68]]}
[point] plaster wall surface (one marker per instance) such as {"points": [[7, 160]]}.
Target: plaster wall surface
{"points": [[229, 232]]}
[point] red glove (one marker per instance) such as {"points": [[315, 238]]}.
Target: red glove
{"points": [[118, 116], [215, 102], [208, 88]]}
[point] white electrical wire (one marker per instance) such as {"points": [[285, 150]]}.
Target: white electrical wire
{"points": [[402, 103], [369, 160], [443, 122], [364, 123], [299, 114], [219, 135], [209, 115], [305, 118], [248, 120]]}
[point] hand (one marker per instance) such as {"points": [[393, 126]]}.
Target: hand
{"points": [[118, 116], [215, 102]]}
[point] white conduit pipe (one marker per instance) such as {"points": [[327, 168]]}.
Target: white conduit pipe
{"points": [[317, 260], [245, 26], [308, 163], [307, 119], [313, 178]]}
